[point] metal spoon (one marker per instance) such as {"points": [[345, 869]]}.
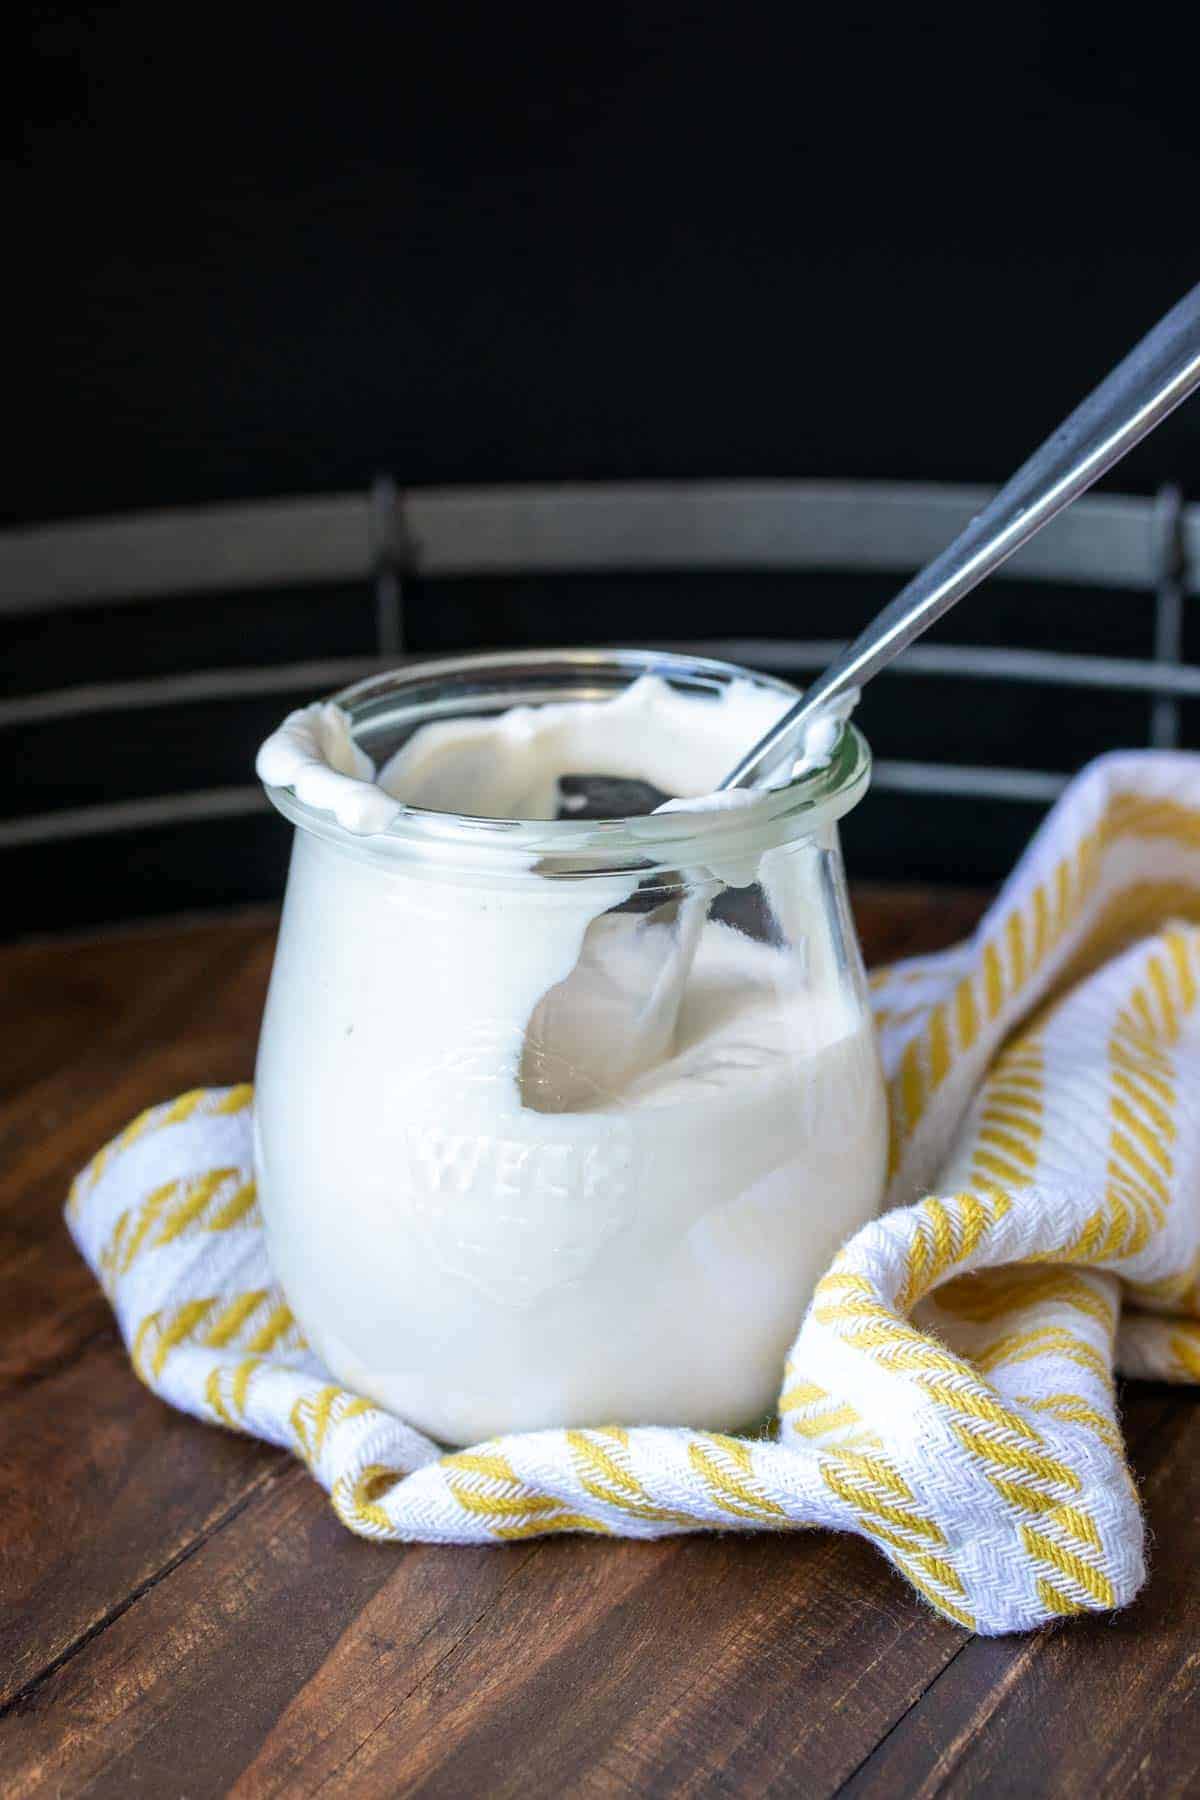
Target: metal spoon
{"points": [[1158, 373]]}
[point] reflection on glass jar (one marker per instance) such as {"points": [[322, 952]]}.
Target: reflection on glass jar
{"points": [[559, 1121]]}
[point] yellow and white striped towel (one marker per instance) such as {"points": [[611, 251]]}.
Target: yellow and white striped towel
{"points": [[950, 1393]]}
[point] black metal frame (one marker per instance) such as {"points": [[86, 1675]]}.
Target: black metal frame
{"points": [[385, 535]]}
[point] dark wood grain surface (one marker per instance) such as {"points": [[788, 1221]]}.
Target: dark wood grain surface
{"points": [[181, 1613]]}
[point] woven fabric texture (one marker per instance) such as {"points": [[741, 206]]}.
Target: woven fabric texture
{"points": [[949, 1395]]}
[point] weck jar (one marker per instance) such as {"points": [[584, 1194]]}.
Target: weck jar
{"points": [[559, 1120]]}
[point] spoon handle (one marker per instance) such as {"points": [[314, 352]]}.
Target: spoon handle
{"points": [[1157, 374]]}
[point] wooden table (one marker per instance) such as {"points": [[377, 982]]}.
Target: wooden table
{"points": [[181, 1614]]}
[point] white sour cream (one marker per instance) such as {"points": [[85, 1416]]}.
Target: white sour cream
{"points": [[487, 1213]]}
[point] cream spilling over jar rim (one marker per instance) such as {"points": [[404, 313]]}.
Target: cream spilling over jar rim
{"points": [[507, 765]]}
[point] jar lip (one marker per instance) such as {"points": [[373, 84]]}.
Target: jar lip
{"points": [[667, 839]]}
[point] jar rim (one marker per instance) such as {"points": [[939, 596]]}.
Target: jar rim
{"points": [[797, 808]]}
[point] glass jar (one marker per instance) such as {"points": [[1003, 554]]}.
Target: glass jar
{"points": [[559, 1122]]}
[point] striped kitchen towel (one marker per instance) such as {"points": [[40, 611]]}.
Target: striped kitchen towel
{"points": [[949, 1395]]}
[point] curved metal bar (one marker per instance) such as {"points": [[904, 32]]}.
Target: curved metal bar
{"points": [[1104, 541]]}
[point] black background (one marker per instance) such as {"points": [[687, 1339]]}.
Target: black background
{"points": [[261, 256]]}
